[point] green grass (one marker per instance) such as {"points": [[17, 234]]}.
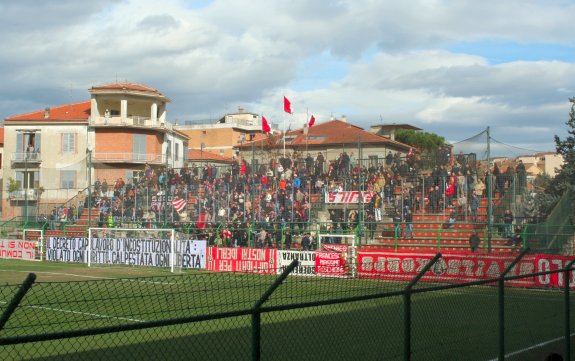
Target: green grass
{"points": [[459, 324]]}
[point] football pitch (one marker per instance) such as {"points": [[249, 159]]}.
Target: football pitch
{"points": [[454, 324]]}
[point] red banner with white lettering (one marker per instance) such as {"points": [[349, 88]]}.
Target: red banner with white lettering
{"points": [[464, 267], [548, 262], [251, 260], [329, 263], [348, 197]]}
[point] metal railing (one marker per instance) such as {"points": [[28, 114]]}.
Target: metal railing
{"points": [[267, 317]]}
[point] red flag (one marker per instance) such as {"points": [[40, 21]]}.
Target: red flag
{"points": [[311, 121], [287, 105], [265, 126]]}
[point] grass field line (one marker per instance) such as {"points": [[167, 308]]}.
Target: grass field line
{"points": [[59, 274], [79, 313], [533, 347], [91, 277]]}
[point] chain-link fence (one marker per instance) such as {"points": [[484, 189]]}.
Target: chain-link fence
{"points": [[229, 316]]}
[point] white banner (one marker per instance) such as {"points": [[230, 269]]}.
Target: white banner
{"points": [[193, 254], [127, 251], [18, 249], [61, 249], [306, 262]]}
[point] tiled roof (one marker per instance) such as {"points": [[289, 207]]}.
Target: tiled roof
{"points": [[333, 132], [196, 155], [128, 87], [67, 112]]}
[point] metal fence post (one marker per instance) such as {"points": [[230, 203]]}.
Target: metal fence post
{"points": [[256, 314], [501, 303], [566, 279], [24, 288], [407, 307]]}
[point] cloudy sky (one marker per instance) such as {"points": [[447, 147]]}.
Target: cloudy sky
{"points": [[449, 67]]}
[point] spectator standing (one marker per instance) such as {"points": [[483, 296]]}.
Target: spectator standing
{"points": [[474, 241], [408, 219], [507, 224]]}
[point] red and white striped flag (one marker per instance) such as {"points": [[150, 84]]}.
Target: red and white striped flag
{"points": [[179, 204]]}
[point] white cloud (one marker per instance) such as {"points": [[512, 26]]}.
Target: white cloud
{"points": [[393, 60]]}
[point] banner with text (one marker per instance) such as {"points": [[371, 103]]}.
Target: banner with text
{"points": [[329, 263], [451, 267], [348, 197], [253, 260], [128, 251], [548, 262], [18, 249], [306, 262]]}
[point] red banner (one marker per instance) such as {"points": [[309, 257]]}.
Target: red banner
{"points": [[252, 260], [547, 262], [465, 267], [348, 197], [329, 263]]}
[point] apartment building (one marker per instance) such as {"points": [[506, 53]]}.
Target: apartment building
{"points": [[60, 150]]}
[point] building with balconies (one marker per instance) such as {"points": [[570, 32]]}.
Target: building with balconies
{"points": [[54, 152]]}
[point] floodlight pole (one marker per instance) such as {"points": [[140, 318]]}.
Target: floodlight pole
{"points": [[89, 153], [489, 193]]}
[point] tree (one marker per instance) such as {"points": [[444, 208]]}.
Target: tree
{"points": [[565, 179], [422, 141]]}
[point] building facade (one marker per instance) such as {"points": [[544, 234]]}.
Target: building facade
{"points": [[58, 151]]}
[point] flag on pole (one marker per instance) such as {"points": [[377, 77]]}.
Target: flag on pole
{"points": [[265, 125], [179, 204], [287, 105], [311, 121]]}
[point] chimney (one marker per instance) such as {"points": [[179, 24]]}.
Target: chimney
{"points": [[240, 110], [46, 113], [344, 118]]}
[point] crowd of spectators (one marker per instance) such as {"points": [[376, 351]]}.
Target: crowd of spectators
{"points": [[270, 202]]}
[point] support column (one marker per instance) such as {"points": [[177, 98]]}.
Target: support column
{"points": [[124, 108], [154, 113]]}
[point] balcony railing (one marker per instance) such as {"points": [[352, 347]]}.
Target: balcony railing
{"points": [[24, 157], [22, 194], [133, 121], [127, 157]]}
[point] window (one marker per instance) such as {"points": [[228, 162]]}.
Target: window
{"points": [[373, 160], [185, 151], [177, 151], [139, 147], [69, 143], [168, 148], [30, 179], [68, 179]]}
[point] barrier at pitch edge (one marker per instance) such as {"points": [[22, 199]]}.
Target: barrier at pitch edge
{"points": [[252, 260], [306, 266], [127, 251], [465, 267], [18, 249]]}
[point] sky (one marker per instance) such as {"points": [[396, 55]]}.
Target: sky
{"points": [[452, 68]]}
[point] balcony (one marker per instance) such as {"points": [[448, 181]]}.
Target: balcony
{"points": [[24, 194], [26, 159], [100, 157], [133, 121]]}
